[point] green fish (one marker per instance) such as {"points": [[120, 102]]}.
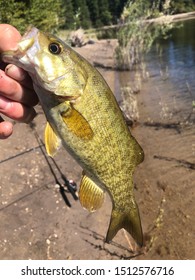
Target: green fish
{"points": [[83, 115]]}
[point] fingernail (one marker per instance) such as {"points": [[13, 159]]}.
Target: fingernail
{"points": [[15, 72]]}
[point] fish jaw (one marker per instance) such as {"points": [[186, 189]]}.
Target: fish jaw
{"points": [[46, 70], [24, 55]]}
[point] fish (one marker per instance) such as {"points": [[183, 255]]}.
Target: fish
{"points": [[84, 117]]}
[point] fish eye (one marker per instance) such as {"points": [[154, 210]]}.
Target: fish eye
{"points": [[55, 48]]}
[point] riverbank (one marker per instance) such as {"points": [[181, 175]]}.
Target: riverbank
{"points": [[164, 181], [36, 223], [161, 19]]}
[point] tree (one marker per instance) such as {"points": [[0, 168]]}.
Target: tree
{"points": [[138, 35], [182, 6], [94, 11], [116, 8], [45, 14], [14, 13], [82, 15], [104, 12], [68, 14]]}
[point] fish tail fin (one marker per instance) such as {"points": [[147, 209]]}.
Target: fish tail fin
{"points": [[130, 221]]}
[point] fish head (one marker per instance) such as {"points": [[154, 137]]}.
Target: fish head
{"points": [[49, 62]]}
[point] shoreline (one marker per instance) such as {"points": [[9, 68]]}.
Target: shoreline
{"points": [[161, 19], [164, 169], [173, 18]]}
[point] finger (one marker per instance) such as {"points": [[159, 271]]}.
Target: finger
{"points": [[9, 37], [13, 90], [6, 129], [16, 110], [19, 75]]}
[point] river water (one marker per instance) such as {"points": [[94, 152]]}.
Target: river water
{"points": [[172, 74]]}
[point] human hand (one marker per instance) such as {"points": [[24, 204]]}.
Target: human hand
{"points": [[17, 96]]}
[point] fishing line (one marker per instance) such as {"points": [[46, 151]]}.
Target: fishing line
{"points": [[71, 185], [24, 196], [21, 153]]}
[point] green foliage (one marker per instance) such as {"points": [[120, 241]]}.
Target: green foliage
{"points": [[54, 14], [13, 12], [82, 15], [138, 35], [109, 33], [104, 12], [72, 14], [182, 6], [116, 8], [68, 17], [168, 6], [94, 12], [45, 14]]}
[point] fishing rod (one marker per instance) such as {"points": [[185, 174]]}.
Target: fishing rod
{"points": [[70, 184]]}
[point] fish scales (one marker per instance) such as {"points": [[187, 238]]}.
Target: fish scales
{"points": [[83, 114]]}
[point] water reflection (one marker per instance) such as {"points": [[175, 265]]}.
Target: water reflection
{"points": [[172, 75], [177, 54]]}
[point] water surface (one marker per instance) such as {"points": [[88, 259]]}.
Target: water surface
{"points": [[172, 73]]}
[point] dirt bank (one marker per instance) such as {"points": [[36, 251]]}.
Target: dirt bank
{"points": [[36, 223]]}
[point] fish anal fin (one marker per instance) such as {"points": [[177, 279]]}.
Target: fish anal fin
{"points": [[52, 141], [77, 124], [130, 221], [90, 195]]}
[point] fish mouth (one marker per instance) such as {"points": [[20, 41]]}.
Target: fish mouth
{"points": [[27, 41]]}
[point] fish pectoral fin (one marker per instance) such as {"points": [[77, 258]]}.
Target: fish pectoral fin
{"points": [[77, 124], [90, 195], [130, 221], [52, 141]]}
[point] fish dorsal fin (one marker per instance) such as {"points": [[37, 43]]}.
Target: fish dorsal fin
{"points": [[90, 195], [77, 124], [52, 141]]}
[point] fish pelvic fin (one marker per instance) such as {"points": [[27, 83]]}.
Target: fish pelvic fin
{"points": [[90, 195], [130, 221], [52, 141]]}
